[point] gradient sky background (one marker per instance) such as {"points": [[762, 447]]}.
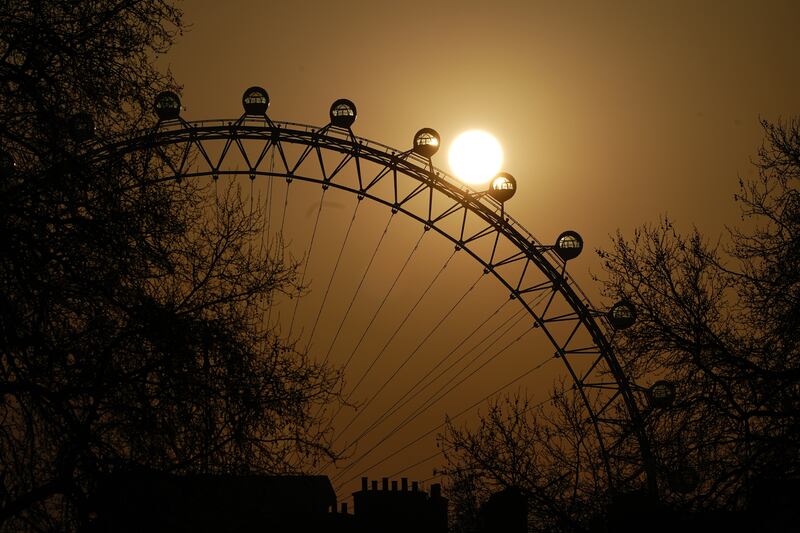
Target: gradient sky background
{"points": [[610, 113]]}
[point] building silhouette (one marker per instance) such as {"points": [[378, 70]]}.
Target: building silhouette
{"points": [[506, 511], [139, 502], [399, 509], [153, 502], [772, 508]]}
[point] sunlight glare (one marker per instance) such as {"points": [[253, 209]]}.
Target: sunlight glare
{"points": [[475, 157]]}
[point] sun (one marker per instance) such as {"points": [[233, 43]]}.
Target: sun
{"points": [[475, 157]]}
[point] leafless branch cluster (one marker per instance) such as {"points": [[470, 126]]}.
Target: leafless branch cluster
{"points": [[132, 330], [719, 319]]}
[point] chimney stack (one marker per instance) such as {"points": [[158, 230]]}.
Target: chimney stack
{"points": [[414, 486], [404, 484], [385, 483], [344, 505], [394, 485], [436, 490], [364, 484]]}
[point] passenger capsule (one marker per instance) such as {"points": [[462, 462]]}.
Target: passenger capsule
{"points": [[8, 166], [343, 113], [683, 480], [255, 101], [167, 106], [503, 187], [661, 394], [569, 245], [426, 142], [622, 315], [81, 126]]}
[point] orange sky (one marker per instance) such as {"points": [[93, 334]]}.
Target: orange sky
{"points": [[610, 113]]}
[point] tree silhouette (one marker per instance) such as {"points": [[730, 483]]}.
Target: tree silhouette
{"points": [[131, 309], [550, 454], [718, 321]]}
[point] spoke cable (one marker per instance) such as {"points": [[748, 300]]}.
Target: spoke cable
{"points": [[250, 221], [450, 419], [433, 399], [432, 380], [428, 374], [390, 411], [285, 205], [443, 448], [391, 338], [270, 181], [372, 321], [279, 242], [307, 262], [268, 232], [358, 289], [428, 404], [333, 274], [377, 311]]}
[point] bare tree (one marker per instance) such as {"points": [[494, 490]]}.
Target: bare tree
{"points": [[718, 320], [131, 309], [546, 450]]}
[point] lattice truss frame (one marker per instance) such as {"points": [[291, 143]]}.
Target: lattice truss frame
{"points": [[472, 221]]}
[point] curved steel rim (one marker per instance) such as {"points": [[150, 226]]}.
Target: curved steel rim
{"points": [[430, 178]]}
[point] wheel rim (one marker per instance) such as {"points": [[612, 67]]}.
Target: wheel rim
{"points": [[437, 202]]}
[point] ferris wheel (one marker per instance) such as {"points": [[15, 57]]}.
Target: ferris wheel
{"points": [[409, 269]]}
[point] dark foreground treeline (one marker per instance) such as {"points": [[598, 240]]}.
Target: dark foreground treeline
{"points": [[718, 319], [128, 308]]}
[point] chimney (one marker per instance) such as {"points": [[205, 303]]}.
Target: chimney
{"points": [[394, 485], [436, 490], [344, 504], [385, 483], [364, 484], [404, 484], [414, 486], [374, 484]]}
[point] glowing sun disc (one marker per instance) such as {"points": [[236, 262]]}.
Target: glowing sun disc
{"points": [[475, 157]]}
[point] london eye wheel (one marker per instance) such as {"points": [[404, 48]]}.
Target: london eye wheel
{"points": [[426, 293]]}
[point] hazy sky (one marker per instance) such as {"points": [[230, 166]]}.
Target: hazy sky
{"points": [[610, 113]]}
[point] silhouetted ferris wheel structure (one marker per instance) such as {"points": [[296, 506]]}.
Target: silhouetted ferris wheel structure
{"points": [[534, 274]]}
